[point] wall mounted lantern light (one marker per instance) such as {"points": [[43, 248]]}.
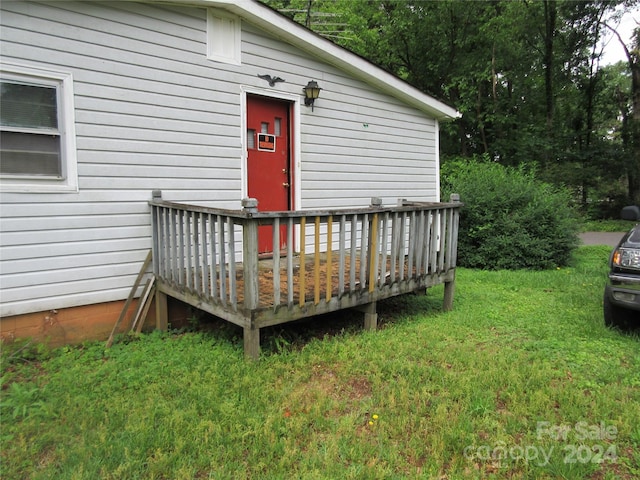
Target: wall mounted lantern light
{"points": [[311, 92]]}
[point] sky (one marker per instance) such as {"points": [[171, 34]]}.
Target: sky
{"points": [[613, 51]]}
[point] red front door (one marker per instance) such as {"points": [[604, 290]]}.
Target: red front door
{"points": [[268, 161]]}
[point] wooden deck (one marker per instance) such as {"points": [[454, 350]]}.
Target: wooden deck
{"points": [[330, 260]]}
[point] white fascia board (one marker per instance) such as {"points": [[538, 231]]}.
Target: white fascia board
{"points": [[289, 31]]}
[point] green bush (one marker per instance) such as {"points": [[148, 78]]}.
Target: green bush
{"points": [[510, 220]]}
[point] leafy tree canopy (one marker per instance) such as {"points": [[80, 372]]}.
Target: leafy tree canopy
{"points": [[526, 77]]}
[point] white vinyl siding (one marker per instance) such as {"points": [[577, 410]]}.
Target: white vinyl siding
{"points": [[358, 143], [152, 111]]}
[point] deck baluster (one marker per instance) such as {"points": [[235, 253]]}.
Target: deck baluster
{"points": [[167, 243], [441, 244], [204, 257], [233, 292], [401, 244], [290, 252], [383, 249], [302, 281], [223, 260], [395, 240], [435, 232], [364, 243], [189, 253], [412, 244], [212, 246], [419, 242], [174, 245], [353, 252], [316, 262], [373, 252], [197, 272], [426, 241], [342, 246], [329, 275], [276, 262]]}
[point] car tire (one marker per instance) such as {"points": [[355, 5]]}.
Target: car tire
{"points": [[616, 317]]}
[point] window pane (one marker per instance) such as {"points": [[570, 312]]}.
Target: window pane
{"points": [[28, 106], [251, 138], [30, 154], [264, 127], [277, 127]]}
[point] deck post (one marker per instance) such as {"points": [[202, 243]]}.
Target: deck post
{"points": [[449, 290], [162, 312], [371, 274], [156, 196], [450, 286], [251, 280], [251, 342], [370, 316]]}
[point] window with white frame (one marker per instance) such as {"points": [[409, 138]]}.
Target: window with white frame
{"points": [[37, 132], [223, 37]]}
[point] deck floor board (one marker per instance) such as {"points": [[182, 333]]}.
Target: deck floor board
{"points": [[266, 279]]}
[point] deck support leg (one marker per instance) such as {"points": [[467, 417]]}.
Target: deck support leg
{"points": [[162, 312], [449, 290], [370, 316], [251, 275], [251, 343]]}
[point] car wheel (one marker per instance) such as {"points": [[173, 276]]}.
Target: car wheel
{"points": [[615, 316]]}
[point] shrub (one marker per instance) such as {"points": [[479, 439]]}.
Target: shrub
{"points": [[510, 220]]}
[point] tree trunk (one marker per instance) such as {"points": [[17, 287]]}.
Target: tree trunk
{"points": [[550, 15], [631, 131], [634, 161]]}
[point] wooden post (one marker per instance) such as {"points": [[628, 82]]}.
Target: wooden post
{"points": [[162, 312], [450, 287], [372, 246], [302, 287], [251, 280], [316, 263], [370, 316], [251, 342], [449, 290], [156, 233], [159, 238]]}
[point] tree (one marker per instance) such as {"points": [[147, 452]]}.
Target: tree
{"points": [[631, 120], [524, 75]]}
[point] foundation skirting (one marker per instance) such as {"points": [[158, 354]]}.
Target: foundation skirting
{"points": [[68, 326]]}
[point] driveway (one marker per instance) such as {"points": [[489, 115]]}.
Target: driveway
{"points": [[601, 238]]}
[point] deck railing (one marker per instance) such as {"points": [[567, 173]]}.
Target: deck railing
{"points": [[322, 260]]}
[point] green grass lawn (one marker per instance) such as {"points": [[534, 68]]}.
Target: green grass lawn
{"points": [[520, 380], [607, 225]]}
